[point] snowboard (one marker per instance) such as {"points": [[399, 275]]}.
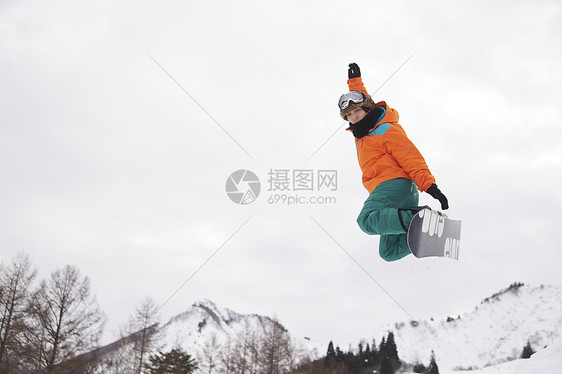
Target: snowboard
{"points": [[433, 234]]}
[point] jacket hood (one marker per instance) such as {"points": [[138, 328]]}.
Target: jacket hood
{"points": [[390, 115]]}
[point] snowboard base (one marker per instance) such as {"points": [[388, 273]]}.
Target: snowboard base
{"points": [[432, 234]]}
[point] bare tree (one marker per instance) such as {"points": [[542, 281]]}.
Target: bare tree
{"points": [[227, 356], [246, 349], [15, 283], [208, 356], [294, 354], [274, 348], [65, 321], [139, 339], [265, 350], [143, 333]]}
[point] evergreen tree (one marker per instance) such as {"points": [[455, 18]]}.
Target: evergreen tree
{"points": [[350, 361], [330, 355], [432, 368], [174, 362], [527, 350], [391, 349], [388, 350], [386, 366], [366, 359], [340, 356], [374, 359]]}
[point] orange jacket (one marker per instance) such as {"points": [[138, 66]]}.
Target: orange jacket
{"points": [[386, 152]]}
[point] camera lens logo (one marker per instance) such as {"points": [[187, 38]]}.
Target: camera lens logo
{"points": [[243, 187]]}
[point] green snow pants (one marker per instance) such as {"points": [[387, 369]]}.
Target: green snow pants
{"points": [[379, 216]]}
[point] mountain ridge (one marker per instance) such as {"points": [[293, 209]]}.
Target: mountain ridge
{"points": [[494, 332], [205, 321]]}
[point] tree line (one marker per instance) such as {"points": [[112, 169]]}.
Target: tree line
{"points": [[366, 358], [43, 325], [268, 349], [54, 326]]}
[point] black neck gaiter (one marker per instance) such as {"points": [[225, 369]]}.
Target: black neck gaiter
{"points": [[362, 128]]}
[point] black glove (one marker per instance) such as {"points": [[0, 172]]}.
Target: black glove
{"points": [[353, 71], [436, 194]]}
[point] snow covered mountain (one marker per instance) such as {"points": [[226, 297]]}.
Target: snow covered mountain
{"points": [[491, 336], [204, 320], [494, 332]]}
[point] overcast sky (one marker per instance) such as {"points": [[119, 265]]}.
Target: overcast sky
{"points": [[120, 122]]}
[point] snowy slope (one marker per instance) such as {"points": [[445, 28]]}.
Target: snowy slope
{"points": [[494, 332], [489, 339], [546, 361], [204, 319]]}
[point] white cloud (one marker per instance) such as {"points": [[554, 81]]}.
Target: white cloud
{"points": [[109, 165]]}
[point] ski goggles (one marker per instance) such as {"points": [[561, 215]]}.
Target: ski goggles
{"points": [[353, 96]]}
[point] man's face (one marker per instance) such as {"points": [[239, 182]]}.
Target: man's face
{"points": [[356, 115]]}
